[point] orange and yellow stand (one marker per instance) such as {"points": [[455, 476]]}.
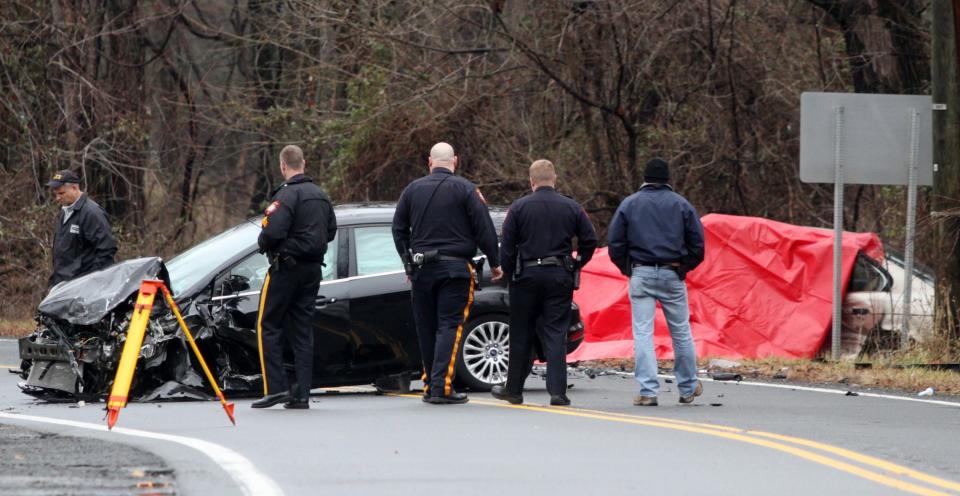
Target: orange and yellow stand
{"points": [[131, 351]]}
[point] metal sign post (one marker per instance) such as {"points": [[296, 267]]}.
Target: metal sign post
{"points": [[911, 227], [837, 229]]}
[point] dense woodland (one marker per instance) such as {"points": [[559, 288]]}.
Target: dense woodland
{"points": [[174, 111]]}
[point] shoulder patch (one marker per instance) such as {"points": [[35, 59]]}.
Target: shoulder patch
{"points": [[272, 208]]}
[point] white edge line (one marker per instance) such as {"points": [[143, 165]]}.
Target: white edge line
{"points": [[824, 390], [243, 471]]}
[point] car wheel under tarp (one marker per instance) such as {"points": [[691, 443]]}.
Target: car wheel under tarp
{"points": [[484, 352]]}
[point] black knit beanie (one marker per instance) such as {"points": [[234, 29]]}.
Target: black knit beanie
{"points": [[656, 171]]}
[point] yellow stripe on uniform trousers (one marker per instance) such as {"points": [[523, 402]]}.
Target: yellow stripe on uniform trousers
{"points": [[263, 299], [448, 380]]}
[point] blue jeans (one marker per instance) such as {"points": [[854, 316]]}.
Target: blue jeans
{"points": [[647, 286]]}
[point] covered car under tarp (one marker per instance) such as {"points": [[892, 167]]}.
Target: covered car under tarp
{"points": [[764, 289]]}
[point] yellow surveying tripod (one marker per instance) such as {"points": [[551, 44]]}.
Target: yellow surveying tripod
{"points": [[131, 350]]}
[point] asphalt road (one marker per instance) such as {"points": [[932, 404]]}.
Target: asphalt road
{"points": [[759, 440]]}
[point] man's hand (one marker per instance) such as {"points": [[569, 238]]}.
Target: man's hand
{"points": [[496, 273]]}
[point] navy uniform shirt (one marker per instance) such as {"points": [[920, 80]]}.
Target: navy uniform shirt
{"points": [[444, 212], [299, 222], [542, 224], [83, 243], [654, 226]]}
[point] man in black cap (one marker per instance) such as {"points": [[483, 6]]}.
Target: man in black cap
{"points": [[440, 221], [537, 257], [655, 238], [82, 241], [297, 225]]}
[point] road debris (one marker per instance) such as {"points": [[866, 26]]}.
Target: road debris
{"points": [[852, 393], [726, 376], [926, 392], [719, 363]]}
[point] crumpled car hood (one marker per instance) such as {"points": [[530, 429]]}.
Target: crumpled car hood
{"points": [[88, 299]]}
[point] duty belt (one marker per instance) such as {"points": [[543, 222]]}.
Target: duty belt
{"points": [[420, 259], [543, 262]]}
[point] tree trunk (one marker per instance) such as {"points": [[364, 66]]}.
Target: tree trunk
{"points": [[946, 156]]}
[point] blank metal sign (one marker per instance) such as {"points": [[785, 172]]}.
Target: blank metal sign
{"points": [[876, 138]]}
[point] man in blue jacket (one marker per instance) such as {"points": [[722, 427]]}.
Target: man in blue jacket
{"points": [[82, 240], [655, 238]]}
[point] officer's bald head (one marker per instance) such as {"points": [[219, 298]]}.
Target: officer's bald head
{"points": [[542, 173], [442, 155]]}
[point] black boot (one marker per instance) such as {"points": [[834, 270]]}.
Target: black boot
{"points": [[559, 400], [297, 404], [271, 399], [500, 392], [454, 398]]}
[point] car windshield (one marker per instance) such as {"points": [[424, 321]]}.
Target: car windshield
{"points": [[189, 267]]}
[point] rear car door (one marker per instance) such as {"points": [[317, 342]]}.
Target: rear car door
{"points": [[380, 308]]}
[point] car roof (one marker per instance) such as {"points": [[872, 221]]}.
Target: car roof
{"points": [[370, 212]]}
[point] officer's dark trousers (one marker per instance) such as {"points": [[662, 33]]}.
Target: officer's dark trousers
{"points": [[540, 293], [442, 294], [287, 301]]}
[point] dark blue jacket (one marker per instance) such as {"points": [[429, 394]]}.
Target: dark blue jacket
{"points": [[83, 244], [444, 212], [543, 224], [656, 225]]}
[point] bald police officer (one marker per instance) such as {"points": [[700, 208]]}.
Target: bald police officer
{"points": [[297, 225], [537, 258], [440, 221]]}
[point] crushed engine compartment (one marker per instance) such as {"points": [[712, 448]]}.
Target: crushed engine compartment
{"points": [[81, 329]]}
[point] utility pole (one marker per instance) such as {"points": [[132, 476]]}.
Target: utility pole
{"points": [[946, 158]]}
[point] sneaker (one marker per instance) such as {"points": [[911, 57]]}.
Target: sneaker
{"points": [[644, 400], [696, 392]]}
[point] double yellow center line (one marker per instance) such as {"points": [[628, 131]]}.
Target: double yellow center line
{"points": [[868, 467]]}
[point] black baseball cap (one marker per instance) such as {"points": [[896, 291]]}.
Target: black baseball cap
{"points": [[64, 177]]}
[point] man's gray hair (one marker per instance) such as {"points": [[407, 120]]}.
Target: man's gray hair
{"points": [[292, 157]]}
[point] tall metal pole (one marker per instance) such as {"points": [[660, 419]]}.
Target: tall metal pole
{"points": [[911, 227], [837, 229]]}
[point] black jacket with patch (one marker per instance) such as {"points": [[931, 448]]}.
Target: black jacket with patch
{"points": [[83, 244], [447, 213], [299, 222]]}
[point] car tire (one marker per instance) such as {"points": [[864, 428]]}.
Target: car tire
{"points": [[484, 352]]}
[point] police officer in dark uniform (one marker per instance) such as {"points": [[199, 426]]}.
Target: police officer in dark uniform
{"points": [[537, 258], [82, 241], [440, 220], [297, 225]]}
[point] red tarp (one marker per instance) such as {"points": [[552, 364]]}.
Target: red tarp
{"points": [[764, 289]]}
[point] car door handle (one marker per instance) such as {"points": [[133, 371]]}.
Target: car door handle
{"points": [[323, 301]]}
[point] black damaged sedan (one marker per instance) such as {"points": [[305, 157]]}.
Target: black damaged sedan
{"points": [[364, 330]]}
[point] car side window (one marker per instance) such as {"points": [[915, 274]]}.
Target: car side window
{"points": [[376, 252], [249, 274], [330, 260]]}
